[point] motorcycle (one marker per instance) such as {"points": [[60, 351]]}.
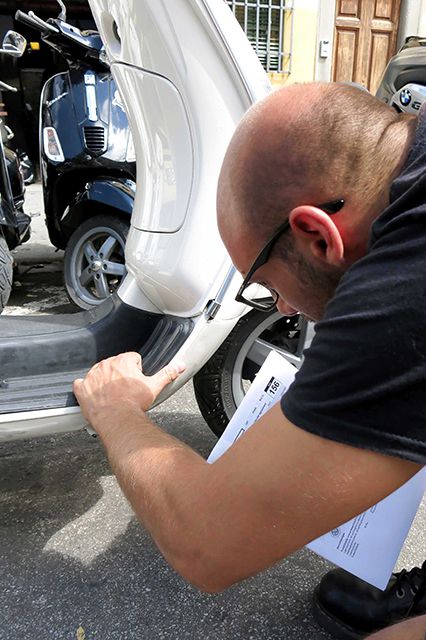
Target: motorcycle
{"points": [[87, 162], [403, 85], [186, 73], [14, 223]]}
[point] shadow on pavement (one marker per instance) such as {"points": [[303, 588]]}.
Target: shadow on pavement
{"points": [[73, 554]]}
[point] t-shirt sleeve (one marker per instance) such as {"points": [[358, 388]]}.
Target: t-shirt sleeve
{"points": [[363, 380]]}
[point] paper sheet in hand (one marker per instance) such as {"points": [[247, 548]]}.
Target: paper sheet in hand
{"points": [[368, 545], [272, 381]]}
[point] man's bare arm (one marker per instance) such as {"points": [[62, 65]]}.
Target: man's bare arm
{"points": [[276, 489]]}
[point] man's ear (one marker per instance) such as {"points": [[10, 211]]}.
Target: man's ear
{"points": [[315, 232]]}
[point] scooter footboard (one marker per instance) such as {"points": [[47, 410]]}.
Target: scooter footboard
{"points": [[40, 356]]}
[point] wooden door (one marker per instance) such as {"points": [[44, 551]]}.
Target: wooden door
{"points": [[364, 40]]}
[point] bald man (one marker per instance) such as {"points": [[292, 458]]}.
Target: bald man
{"points": [[321, 199]]}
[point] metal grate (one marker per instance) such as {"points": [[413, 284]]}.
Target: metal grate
{"points": [[94, 139], [268, 24]]}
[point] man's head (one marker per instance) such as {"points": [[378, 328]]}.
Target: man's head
{"points": [[299, 148]]}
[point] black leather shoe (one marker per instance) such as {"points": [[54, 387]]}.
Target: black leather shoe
{"points": [[348, 607]]}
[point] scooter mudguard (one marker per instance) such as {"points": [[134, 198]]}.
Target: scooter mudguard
{"points": [[115, 195], [186, 74]]}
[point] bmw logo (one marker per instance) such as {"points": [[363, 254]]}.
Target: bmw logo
{"points": [[405, 97]]}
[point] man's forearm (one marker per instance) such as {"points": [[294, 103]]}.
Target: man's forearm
{"points": [[162, 479]]}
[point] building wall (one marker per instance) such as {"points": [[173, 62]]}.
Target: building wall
{"points": [[303, 38], [325, 33]]}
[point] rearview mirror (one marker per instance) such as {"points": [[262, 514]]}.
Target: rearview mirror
{"points": [[14, 44]]}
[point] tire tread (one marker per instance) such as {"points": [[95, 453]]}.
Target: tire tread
{"points": [[6, 273]]}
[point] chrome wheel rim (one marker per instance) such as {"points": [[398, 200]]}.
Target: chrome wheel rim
{"points": [[97, 265], [258, 345]]}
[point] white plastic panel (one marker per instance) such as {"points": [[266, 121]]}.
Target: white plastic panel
{"points": [[176, 265], [33, 424], [162, 140], [178, 272]]}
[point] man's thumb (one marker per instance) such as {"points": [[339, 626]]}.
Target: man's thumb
{"points": [[166, 375]]}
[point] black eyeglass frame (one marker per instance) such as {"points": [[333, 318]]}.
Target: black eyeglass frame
{"points": [[268, 304]]}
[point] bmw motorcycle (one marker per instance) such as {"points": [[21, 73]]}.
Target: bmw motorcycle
{"points": [[14, 223], [403, 85], [87, 162], [187, 74]]}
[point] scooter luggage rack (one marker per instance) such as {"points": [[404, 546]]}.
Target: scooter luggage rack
{"points": [[40, 356]]}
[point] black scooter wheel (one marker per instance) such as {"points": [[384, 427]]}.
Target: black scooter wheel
{"points": [[222, 383], [6, 273]]}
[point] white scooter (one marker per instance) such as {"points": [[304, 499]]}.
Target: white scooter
{"points": [[187, 74]]}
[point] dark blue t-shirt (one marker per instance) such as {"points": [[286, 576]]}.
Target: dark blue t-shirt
{"points": [[363, 381]]}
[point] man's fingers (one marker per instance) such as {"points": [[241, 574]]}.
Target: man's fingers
{"points": [[130, 357], [77, 384], [138, 360], [165, 376]]}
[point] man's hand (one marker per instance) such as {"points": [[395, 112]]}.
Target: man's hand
{"points": [[118, 384]]}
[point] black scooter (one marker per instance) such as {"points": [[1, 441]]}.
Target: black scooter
{"points": [[87, 162], [14, 223]]}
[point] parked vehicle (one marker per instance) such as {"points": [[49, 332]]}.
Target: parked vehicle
{"points": [[27, 167], [187, 74], [87, 162], [403, 85], [14, 223]]}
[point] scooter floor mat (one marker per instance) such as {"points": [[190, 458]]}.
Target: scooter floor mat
{"points": [[35, 393]]}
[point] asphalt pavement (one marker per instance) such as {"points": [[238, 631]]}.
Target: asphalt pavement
{"points": [[75, 564]]}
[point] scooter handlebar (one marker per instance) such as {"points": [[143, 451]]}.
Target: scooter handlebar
{"points": [[31, 20], [7, 87], [63, 29]]}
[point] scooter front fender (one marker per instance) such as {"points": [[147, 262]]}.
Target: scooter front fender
{"points": [[109, 193]]}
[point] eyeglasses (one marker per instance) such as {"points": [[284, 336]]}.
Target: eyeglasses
{"points": [[268, 302]]}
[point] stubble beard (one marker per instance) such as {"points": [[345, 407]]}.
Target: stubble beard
{"points": [[319, 285]]}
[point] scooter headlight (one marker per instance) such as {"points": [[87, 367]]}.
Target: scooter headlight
{"points": [[52, 146]]}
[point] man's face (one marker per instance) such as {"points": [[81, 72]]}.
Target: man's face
{"points": [[302, 285]]}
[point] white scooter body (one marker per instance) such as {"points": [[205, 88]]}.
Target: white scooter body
{"points": [[187, 74], [186, 81]]}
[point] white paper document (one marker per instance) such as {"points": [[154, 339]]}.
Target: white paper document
{"points": [[270, 384], [368, 545]]}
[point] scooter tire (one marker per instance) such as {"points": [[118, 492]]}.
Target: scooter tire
{"points": [[99, 226], [215, 383], [6, 273]]}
